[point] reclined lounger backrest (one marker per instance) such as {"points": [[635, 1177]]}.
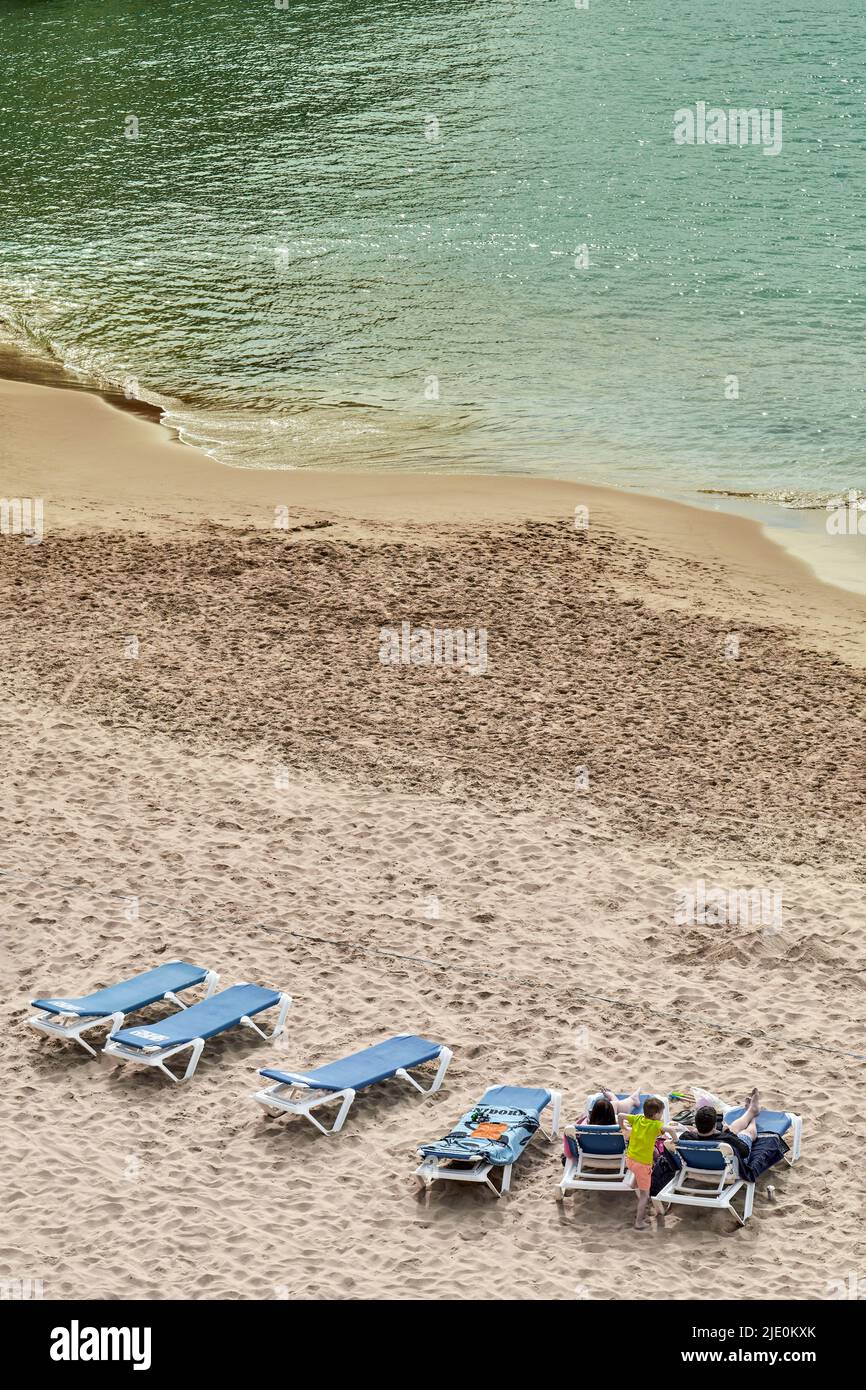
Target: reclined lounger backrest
{"points": [[600, 1140], [709, 1155], [517, 1097]]}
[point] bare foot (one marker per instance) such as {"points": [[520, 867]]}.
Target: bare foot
{"points": [[642, 1227]]}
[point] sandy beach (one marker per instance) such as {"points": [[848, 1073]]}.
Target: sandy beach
{"points": [[205, 758]]}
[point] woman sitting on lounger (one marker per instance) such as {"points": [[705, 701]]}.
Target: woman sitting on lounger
{"points": [[606, 1108]]}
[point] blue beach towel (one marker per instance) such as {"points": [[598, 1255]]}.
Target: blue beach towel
{"points": [[516, 1107]]}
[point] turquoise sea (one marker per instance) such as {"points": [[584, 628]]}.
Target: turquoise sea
{"points": [[345, 233]]}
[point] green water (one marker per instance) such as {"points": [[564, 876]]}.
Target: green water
{"points": [[286, 261]]}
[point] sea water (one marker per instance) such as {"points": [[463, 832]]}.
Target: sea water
{"points": [[450, 236]]}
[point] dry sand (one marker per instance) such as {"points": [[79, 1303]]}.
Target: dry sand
{"points": [[404, 848]]}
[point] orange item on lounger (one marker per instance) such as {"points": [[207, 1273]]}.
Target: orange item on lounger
{"points": [[488, 1131]]}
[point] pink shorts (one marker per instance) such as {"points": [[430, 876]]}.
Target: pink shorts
{"points": [[643, 1173]]}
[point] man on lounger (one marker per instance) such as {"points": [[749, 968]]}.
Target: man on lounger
{"points": [[740, 1134]]}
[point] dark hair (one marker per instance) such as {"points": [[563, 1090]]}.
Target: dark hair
{"points": [[602, 1112], [705, 1119], [652, 1106]]}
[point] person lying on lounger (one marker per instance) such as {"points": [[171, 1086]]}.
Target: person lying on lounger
{"points": [[606, 1107], [740, 1134]]}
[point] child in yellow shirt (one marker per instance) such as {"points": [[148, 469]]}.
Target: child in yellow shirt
{"points": [[643, 1131]]}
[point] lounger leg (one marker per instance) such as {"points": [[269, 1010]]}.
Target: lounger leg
{"points": [[506, 1179], [556, 1107], [116, 1021], [750, 1201], [279, 1026], [86, 1045], [343, 1112], [197, 1049], [797, 1121], [556, 1099], [444, 1058], [158, 1056], [299, 1106], [568, 1175], [307, 1111], [211, 980], [741, 1220], [85, 1026], [285, 1005]]}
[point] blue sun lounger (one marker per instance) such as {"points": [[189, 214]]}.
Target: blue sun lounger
{"points": [[470, 1152], [153, 1045], [710, 1173], [595, 1160], [70, 1017], [299, 1093], [708, 1176]]}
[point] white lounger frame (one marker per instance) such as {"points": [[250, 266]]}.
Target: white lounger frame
{"points": [[796, 1137], [703, 1187], [78, 1024], [158, 1056], [300, 1098], [439, 1169], [595, 1172]]}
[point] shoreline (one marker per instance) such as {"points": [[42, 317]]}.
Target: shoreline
{"points": [[98, 467], [30, 371], [837, 561]]}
